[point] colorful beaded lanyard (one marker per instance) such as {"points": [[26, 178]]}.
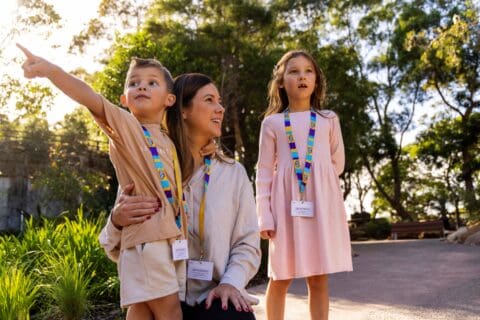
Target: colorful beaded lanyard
{"points": [[201, 214], [165, 183], [302, 175]]}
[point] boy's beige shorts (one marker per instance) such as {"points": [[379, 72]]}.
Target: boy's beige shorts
{"points": [[148, 272]]}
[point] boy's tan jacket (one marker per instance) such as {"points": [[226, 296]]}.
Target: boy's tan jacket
{"points": [[133, 162]]}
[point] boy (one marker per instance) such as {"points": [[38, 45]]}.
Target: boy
{"points": [[150, 279]]}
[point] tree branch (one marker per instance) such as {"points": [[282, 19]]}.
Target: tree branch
{"points": [[445, 100], [409, 120], [372, 174]]}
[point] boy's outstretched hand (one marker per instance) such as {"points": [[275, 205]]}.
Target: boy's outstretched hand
{"points": [[34, 66], [73, 87]]}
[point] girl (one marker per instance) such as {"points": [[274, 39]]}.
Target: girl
{"points": [[299, 201]]}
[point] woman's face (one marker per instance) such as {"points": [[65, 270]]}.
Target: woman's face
{"points": [[204, 116]]}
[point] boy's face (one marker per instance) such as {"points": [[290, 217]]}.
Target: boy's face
{"points": [[146, 94]]}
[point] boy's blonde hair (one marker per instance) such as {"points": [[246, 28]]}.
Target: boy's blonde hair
{"points": [[138, 63], [277, 96]]}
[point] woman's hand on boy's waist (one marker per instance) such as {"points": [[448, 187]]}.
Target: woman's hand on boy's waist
{"points": [[133, 209]]}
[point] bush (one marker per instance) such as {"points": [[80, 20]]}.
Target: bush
{"points": [[17, 293], [68, 287], [378, 228], [56, 269]]}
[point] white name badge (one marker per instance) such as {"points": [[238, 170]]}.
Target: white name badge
{"points": [[302, 209], [180, 250], [200, 270]]}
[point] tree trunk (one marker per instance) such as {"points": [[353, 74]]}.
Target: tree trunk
{"points": [[396, 202], [467, 171]]}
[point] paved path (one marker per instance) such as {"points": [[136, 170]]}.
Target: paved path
{"points": [[398, 280]]}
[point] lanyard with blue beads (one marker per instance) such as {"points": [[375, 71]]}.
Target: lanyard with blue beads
{"points": [[302, 175], [165, 183]]}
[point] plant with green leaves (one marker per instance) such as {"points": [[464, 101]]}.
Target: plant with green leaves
{"points": [[69, 286], [61, 262], [17, 292], [79, 238]]}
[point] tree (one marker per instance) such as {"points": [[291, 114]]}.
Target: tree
{"points": [[368, 29], [440, 149], [237, 44], [112, 15], [29, 14], [79, 171], [446, 49], [28, 99], [220, 45]]}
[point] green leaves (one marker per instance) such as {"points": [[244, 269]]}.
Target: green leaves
{"points": [[28, 99], [57, 268], [39, 13], [18, 291]]}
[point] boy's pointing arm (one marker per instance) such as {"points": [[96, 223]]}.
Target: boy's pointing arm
{"points": [[73, 87]]}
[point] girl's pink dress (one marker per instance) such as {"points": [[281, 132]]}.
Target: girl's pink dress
{"points": [[303, 247]]}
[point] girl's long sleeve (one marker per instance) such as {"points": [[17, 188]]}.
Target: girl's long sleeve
{"points": [[265, 170], [337, 151]]}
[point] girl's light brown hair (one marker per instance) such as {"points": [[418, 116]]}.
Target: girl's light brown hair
{"points": [[277, 96]]}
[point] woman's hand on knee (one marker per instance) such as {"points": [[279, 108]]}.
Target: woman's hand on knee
{"points": [[226, 292], [133, 209]]}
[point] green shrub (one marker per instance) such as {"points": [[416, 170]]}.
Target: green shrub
{"points": [[68, 287], [17, 293], [68, 272], [79, 237], [378, 228]]}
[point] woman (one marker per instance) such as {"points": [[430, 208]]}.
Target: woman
{"points": [[223, 233]]}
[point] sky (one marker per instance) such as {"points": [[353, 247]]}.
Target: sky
{"points": [[75, 16]]}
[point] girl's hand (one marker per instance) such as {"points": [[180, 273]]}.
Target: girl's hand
{"points": [[226, 292], [210, 149], [267, 234], [133, 209], [35, 66]]}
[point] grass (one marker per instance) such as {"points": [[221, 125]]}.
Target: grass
{"points": [[56, 269], [17, 293], [68, 287]]}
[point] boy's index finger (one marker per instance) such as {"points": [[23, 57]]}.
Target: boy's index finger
{"points": [[26, 51]]}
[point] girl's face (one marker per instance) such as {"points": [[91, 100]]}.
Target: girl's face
{"points": [[299, 78], [204, 116]]}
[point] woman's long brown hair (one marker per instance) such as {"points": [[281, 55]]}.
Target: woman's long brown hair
{"points": [[185, 87]]}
